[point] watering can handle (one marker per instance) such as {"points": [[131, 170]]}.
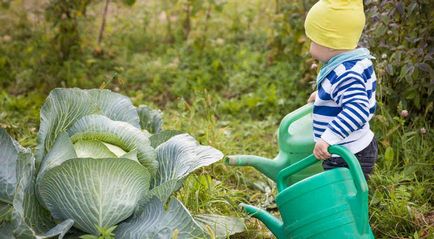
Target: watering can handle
{"points": [[356, 173], [290, 118], [350, 159]]}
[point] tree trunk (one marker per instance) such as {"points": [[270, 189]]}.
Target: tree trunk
{"points": [[104, 16], [187, 20]]}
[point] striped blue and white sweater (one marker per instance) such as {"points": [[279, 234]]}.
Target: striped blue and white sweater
{"points": [[344, 105]]}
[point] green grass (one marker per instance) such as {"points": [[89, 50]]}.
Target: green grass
{"points": [[401, 189]]}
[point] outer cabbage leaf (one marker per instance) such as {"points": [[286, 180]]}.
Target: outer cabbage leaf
{"points": [[177, 158], [25, 218], [6, 230], [163, 191], [5, 212], [220, 226], [181, 155], [60, 110], [8, 163], [118, 133], [115, 106], [154, 222], [31, 220], [163, 136], [94, 192], [65, 106], [62, 150], [150, 120]]}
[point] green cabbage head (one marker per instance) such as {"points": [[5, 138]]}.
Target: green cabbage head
{"points": [[102, 163]]}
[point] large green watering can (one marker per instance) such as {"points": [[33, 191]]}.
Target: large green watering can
{"points": [[331, 204], [295, 139]]}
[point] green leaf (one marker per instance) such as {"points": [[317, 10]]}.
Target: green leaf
{"points": [[154, 222], [104, 233], [151, 120], [388, 156], [164, 190], [62, 150], [63, 107], [115, 149], [30, 219], [59, 230], [118, 133], [389, 69], [115, 106], [8, 163], [424, 67], [221, 226], [130, 155], [177, 158], [162, 137], [129, 2], [6, 230], [108, 232], [180, 156], [27, 218], [5, 212], [92, 149], [94, 192], [89, 237]]}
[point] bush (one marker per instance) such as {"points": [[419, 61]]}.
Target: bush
{"points": [[400, 35]]}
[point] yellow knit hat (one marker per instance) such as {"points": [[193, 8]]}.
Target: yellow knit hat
{"points": [[336, 24]]}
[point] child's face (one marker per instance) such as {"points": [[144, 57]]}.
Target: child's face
{"points": [[319, 52], [323, 53]]}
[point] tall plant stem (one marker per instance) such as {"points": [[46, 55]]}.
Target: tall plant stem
{"points": [[187, 20], [104, 16]]}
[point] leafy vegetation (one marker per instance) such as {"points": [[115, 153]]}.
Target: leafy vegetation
{"points": [[227, 72], [96, 169], [404, 58]]}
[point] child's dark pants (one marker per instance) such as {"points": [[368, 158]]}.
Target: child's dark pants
{"points": [[367, 158]]}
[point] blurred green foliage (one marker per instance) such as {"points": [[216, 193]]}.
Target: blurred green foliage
{"points": [[64, 16], [400, 33], [227, 72]]}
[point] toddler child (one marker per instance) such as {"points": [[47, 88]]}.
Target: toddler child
{"points": [[345, 98]]}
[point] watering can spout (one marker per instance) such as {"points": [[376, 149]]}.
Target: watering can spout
{"points": [[272, 223], [295, 143], [266, 166]]}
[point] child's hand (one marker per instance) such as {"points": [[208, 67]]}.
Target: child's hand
{"points": [[320, 150], [312, 97]]}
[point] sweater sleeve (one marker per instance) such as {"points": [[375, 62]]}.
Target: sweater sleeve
{"points": [[350, 94]]}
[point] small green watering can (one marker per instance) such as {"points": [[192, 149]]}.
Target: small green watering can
{"points": [[295, 139], [332, 204]]}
